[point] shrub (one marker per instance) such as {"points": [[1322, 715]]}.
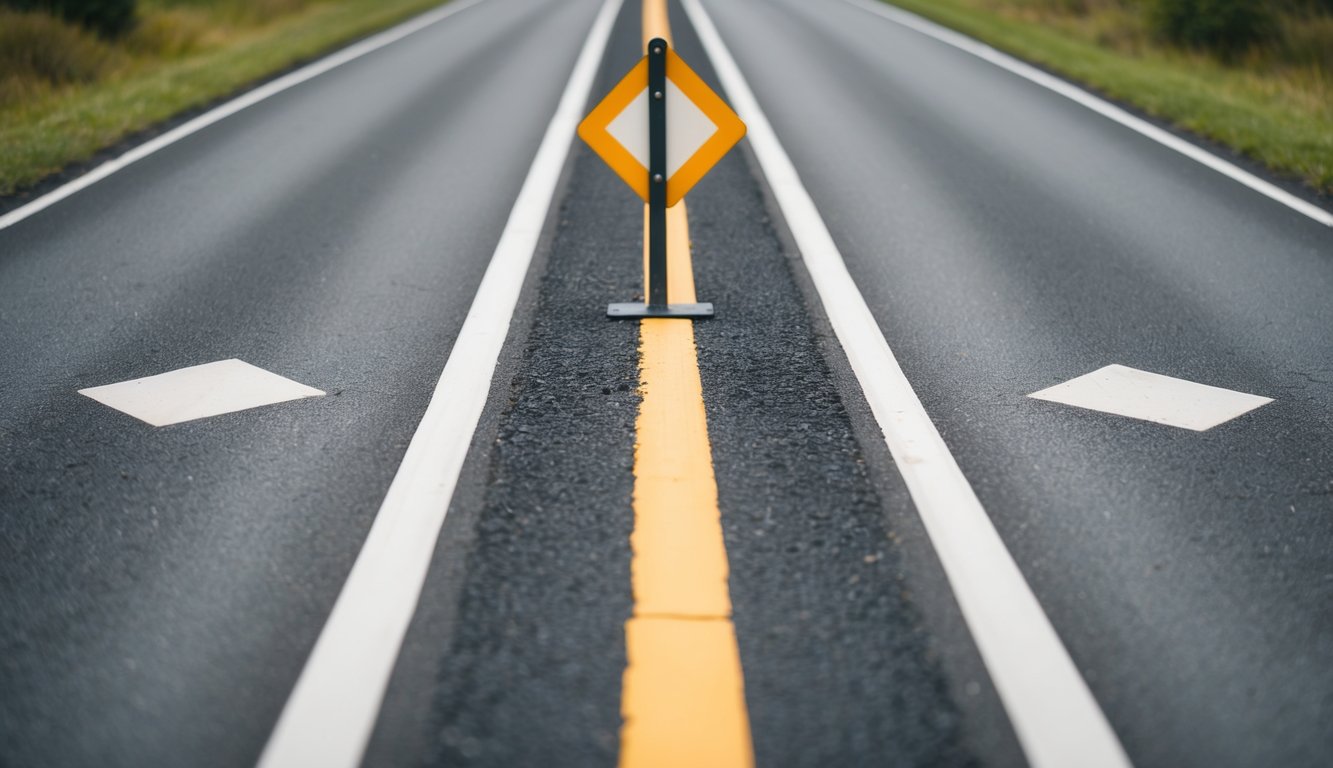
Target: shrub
{"points": [[36, 47], [167, 34], [1227, 27], [108, 18], [1307, 41]]}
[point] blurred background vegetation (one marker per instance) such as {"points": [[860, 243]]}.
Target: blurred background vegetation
{"points": [[77, 75], [1269, 33], [1255, 75], [46, 45]]}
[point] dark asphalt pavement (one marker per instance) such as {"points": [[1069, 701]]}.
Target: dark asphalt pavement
{"points": [[163, 587], [836, 665], [160, 589], [1008, 239]]}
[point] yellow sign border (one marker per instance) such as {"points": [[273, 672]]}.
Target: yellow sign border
{"points": [[730, 129]]}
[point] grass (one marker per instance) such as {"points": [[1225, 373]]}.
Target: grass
{"points": [[1273, 102], [65, 93]]}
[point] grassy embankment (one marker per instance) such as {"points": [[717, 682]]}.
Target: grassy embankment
{"points": [[1272, 99], [66, 93]]}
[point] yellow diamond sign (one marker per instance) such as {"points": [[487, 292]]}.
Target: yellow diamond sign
{"points": [[701, 128]]}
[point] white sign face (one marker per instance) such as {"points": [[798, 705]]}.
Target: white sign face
{"points": [[688, 128], [701, 128]]}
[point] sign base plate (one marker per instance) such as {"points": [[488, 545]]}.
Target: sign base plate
{"points": [[625, 311]]}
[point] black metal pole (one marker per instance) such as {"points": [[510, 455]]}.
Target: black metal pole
{"points": [[657, 303], [657, 175]]}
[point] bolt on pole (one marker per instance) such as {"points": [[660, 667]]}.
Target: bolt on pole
{"points": [[657, 176], [657, 303]]}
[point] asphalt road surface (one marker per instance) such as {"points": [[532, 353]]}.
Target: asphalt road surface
{"points": [[162, 588]]}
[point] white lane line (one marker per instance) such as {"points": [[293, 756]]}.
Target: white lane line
{"points": [[332, 710], [198, 392], [1096, 104], [1054, 715], [1126, 391], [247, 99]]}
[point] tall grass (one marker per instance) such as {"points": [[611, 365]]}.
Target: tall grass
{"points": [[39, 52], [1270, 98], [1270, 34], [47, 44], [66, 92], [108, 18], [1226, 27], [239, 12]]}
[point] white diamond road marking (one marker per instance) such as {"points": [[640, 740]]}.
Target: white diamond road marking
{"points": [[1153, 397], [199, 391], [688, 128]]}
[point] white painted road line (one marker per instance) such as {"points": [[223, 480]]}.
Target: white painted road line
{"points": [[198, 392], [1053, 713], [332, 710], [1152, 397], [247, 99], [1096, 104]]}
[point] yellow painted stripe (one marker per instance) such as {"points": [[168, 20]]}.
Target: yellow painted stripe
{"points": [[655, 22], [683, 698], [680, 277], [683, 676], [680, 563]]}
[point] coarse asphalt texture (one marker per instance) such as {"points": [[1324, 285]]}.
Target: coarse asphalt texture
{"points": [[1007, 239], [162, 587], [837, 665]]}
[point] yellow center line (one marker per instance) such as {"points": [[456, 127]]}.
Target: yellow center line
{"points": [[683, 698], [655, 22]]}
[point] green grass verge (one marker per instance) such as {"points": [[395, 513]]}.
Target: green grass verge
{"points": [[1279, 116], [53, 127]]}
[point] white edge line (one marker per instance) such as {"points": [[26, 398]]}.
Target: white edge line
{"points": [[332, 710], [247, 99], [1096, 104], [1054, 715]]}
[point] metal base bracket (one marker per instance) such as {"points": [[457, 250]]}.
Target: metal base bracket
{"points": [[624, 311]]}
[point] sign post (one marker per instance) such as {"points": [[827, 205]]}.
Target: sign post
{"points": [[657, 175], [659, 159]]}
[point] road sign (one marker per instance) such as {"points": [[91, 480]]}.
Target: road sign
{"points": [[701, 128]]}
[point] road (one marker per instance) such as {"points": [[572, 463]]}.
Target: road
{"points": [[1007, 240], [163, 587]]}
